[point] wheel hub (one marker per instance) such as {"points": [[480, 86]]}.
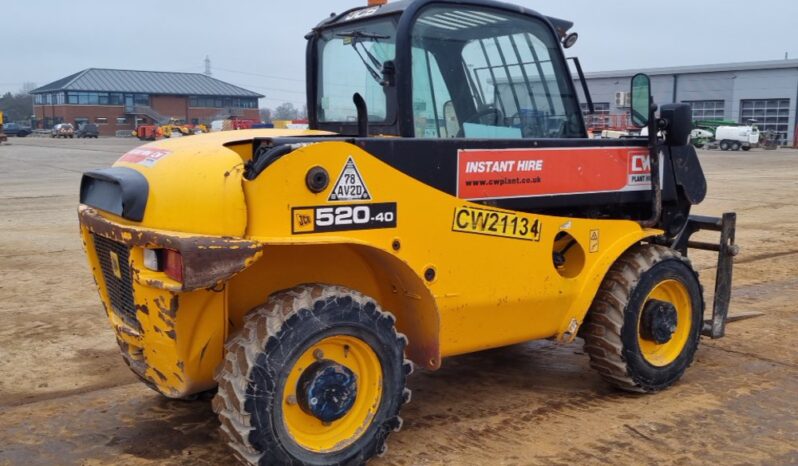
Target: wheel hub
{"points": [[658, 322], [327, 390]]}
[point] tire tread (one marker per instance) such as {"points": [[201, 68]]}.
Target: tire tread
{"points": [[602, 330], [262, 325]]}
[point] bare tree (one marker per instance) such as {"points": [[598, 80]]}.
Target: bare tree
{"points": [[286, 111], [265, 115], [19, 106]]}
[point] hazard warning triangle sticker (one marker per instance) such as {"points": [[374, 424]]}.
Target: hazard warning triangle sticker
{"points": [[350, 185]]}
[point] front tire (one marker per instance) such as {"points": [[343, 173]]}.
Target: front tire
{"points": [[316, 376], [644, 326]]}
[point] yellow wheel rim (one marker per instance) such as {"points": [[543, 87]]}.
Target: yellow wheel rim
{"points": [[675, 293], [311, 433]]}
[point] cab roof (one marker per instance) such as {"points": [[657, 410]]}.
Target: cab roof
{"points": [[398, 7]]}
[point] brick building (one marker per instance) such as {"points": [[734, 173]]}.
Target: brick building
{"points": [[119, 100]]}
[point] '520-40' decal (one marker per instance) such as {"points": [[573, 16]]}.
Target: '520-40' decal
{"points": [[495, 223], [322, 219]]}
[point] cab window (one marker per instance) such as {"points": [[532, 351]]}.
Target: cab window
{"points": [[479, 73], [430, 96], [351, 59]]}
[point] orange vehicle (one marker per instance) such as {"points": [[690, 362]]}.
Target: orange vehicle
{"points": [[148, 132]]}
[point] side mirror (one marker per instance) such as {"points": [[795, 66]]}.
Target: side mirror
{"points": [[641, 100]]}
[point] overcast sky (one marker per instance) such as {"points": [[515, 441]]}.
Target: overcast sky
{"points": [[259, 45]]}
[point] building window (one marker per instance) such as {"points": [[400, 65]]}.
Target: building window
{"points": [[707, 109], [80, 121], [99, 98], [101, 120], [768, 115], [600, 108], [141, 99], [225, 102], [601, 119], [121, 120]]}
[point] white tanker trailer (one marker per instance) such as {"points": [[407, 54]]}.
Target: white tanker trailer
{"points": [[736, 137]]}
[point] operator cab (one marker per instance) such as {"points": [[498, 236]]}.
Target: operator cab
{"points": [[441, 69], [485, 108]]}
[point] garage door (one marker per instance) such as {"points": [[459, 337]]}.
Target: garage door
{"points": [[770, 115]]}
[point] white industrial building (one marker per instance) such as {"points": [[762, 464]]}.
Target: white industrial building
{"points": [[765, 91]]}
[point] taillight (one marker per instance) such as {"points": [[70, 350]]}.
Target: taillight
{"points": [[173, 265], [167, 261]]}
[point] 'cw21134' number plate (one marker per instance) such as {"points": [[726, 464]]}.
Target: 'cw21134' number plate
{"points": [[495, 223]]}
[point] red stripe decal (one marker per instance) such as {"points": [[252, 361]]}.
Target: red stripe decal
{"points": [[502, 174]]}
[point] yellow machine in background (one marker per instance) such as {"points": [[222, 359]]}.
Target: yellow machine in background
{"points": [[431, 211], [3, 137]]}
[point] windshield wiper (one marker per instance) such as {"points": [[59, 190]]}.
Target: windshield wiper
{"points": [[362, 35], [375, 67]]}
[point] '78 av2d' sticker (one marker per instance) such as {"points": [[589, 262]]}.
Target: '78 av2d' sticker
{"points": [[323, 219], [350, 185]]}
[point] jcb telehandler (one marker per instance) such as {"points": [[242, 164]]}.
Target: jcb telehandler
{"points": [[446, 200]]}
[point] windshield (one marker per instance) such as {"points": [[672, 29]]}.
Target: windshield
{"points": [[351, 59]]}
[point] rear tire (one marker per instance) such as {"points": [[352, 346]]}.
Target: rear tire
{"points": [[263, 400], [617, 338], [724, 145], [736, 146]]}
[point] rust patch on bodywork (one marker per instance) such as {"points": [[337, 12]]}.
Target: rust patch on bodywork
{"points": [[208, 261], [169, 313]]}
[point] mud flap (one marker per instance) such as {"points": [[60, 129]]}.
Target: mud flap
{"points": [[726, 249]]}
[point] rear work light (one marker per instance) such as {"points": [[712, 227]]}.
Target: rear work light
{"points": [[167, 261], [152, 259]]}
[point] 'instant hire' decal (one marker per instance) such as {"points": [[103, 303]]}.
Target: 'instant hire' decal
{"points": [[350, 185], [510, 173]]}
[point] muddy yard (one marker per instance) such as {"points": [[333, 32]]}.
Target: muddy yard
{"points": [[66, 397]]}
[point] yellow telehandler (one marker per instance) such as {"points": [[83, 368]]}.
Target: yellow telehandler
{"points": [[446, 200]]}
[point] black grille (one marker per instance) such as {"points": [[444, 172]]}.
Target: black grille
{"points": [[120, 291]]}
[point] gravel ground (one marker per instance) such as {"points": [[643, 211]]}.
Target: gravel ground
{"points": [[67, 398]]}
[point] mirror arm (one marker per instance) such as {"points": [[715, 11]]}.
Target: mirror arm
{"points": [[653, 155]]}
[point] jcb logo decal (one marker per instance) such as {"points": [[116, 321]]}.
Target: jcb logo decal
{"points": [[304, 220], [361, 13], [115, 265]]}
